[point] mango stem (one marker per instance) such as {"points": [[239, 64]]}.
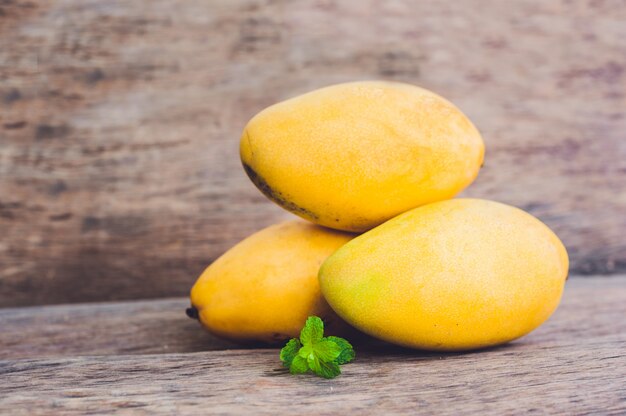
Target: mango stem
{"points": [[192, 313]]}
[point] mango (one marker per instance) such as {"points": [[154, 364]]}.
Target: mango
{"points": [[265, 287], [454, 275], [351, 156]]}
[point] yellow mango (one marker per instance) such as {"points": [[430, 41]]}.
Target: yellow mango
{"points": [[453, 275], [351, 156], [265, 287]]}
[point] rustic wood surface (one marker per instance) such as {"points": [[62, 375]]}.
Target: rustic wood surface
{"points": [[591, 308], [574, 364], [119, 123], [567, 379], [120, 180], [140, 327]]}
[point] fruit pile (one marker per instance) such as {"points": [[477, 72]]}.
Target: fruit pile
{"points": [[384, 160]]}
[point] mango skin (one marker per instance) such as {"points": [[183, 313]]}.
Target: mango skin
{"points": [[265, 287], [450, 276], [351, 156]]}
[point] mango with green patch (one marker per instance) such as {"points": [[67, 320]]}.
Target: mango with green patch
{"points": [[453, 275]]}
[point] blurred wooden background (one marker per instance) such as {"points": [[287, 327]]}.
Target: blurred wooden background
{"points": [[120, 120]]}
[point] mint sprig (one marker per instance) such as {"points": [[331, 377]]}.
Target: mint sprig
{"points": [[315, 353]]}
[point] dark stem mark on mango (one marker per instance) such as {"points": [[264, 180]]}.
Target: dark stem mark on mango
{"points": [[275, 195], [192, 313]]}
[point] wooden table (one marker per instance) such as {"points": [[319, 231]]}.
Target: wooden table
{"points": [[120, 181], [147, 357]]}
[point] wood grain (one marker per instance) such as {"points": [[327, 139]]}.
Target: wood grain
{"points": [[574, 364], [590, 309], [140, 327], [567, 379], [119, 122]]}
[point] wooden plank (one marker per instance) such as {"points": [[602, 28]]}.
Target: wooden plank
{"points": [[583, 376], [575, 364], [142, 327], [119, 123], [590, 309]]}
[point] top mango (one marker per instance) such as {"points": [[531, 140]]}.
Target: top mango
{"points": [[351, 156]]}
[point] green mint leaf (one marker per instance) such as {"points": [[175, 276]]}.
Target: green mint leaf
{"points": [[306, 351], [289, 351], [329, 370], [313, 352], [346, 356], [313, 331], [326, 350], [298, 365], [347, 352], [314, 364]]}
